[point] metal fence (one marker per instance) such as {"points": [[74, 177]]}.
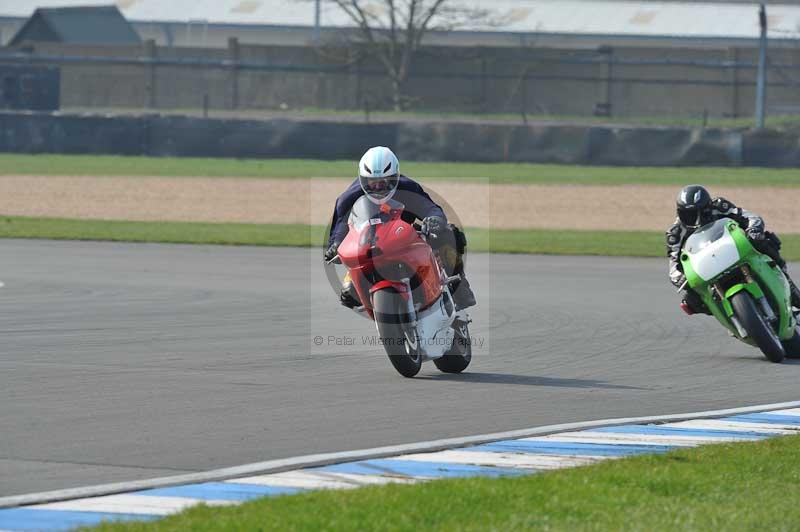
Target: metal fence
{"points": [[524, 82]]}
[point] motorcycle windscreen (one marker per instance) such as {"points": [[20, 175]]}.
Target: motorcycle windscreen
{"points": [[712, 250], [366, 213]]}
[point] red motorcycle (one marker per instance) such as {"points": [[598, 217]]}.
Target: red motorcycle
{"points": [[404, 288]]}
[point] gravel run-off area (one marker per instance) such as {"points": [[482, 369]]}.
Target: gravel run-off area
{"points": [[304, 201]]}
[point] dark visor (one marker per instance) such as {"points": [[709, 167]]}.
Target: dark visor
{"points": [[690, 217], [379, 186]]}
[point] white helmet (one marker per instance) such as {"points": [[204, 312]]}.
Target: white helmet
{"points": [[379, 174]]}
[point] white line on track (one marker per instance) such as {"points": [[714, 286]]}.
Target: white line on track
{"points": [[790, 412], [139, 504], [629, 439], [302, 462], [720, 424], [505, 460], [309, 480]]}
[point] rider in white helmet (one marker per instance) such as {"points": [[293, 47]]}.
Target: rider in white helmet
{"points": [[379, 178]]}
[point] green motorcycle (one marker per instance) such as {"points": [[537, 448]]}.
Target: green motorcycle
{"points": [[744, 289]]}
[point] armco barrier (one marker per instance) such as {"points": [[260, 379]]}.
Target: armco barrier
{"points": [[422, 141]]}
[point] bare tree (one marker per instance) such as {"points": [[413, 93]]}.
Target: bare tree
{"points": [[391, 31]]}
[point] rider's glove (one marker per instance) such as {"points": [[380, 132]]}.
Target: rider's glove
{"points": [[331, 252], [756, 233], [433, 226]]}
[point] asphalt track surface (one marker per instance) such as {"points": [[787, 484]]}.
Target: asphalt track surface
{"points": [[129, 361]]}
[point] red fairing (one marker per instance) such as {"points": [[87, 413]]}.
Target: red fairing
{"points": [[401, 288], [379, 256]]}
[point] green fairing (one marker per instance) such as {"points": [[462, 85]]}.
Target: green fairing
{"points": [[753, 288], [770, 282]]}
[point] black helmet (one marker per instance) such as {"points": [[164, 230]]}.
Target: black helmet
{"points": [[694, 206]]}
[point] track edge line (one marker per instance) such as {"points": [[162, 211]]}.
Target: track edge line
{"points": [[324, 459]]}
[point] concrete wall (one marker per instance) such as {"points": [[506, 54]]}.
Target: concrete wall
{"points": [[179, 136], [474, 80]]}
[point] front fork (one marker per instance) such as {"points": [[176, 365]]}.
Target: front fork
{"points": [[752, 287]]}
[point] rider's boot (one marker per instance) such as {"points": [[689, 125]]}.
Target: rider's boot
{"points": [[463, 296], [693, 304], [348, 295]]}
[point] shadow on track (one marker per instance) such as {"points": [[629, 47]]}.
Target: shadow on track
{"points": [[525, 380]]}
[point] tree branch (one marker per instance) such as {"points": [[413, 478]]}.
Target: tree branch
{"points": [[394, 37]]}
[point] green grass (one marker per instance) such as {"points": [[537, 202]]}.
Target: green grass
{"points": [[85, 165], [743, 486], [158, 232], [547, 242]]}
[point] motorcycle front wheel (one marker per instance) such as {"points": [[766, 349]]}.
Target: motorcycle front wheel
{"points": [[398, 338], [744, 307], [458, 357]]}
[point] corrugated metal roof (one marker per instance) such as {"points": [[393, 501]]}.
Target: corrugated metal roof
{"points": [[593, 17]]}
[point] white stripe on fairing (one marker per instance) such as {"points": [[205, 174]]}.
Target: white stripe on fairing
{"points": [[633, 438], [311, 480], [520, 460], [721, 424], [790, 412], [130, 504]]}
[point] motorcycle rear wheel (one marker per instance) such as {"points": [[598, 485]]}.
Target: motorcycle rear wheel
{"points": [[760, 331], [458, 357], [399, 340]]}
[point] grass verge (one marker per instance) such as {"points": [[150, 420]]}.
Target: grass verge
{"points": [[743, 486], [160, 232], [89, 165], [534, 241]]}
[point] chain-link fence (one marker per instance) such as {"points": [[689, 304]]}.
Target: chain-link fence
{"points": [[512, 83]]}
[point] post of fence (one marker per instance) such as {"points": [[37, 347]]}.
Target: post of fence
{"points": [[234, 55], [609, 80], [733, 57], [484, 83], [317, 22], [761, 82], [151, 53]]}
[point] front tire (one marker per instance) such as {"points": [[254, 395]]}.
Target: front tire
{"points": [[399, 340], [458, 357], [759, 330]]}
